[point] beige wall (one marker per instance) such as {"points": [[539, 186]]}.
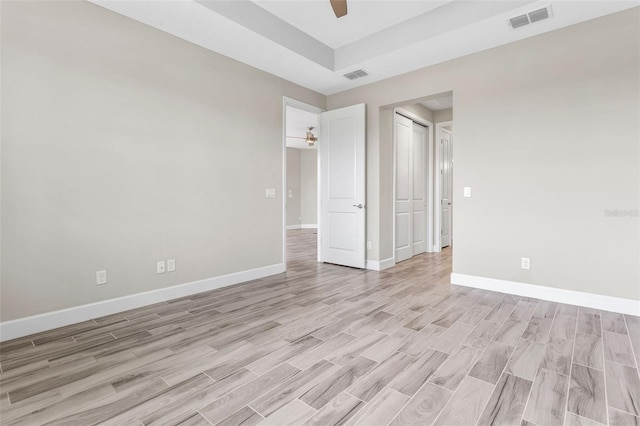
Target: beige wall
{"points": [[419, 110], [294, 203], [309, 186], [547, 136], [122, 146]]}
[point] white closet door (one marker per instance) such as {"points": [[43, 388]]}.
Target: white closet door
{"points": [[404, 190], [419, 189]]}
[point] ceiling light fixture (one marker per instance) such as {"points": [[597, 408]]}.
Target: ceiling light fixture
{"points": [[310, 138], [339, 7]]}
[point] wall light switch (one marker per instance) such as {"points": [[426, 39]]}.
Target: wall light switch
{"points": [[160, 267], [525, 263], [270, 193], [467, 192], [101, 277], [171, 265], [368, 245], [290, 194]]}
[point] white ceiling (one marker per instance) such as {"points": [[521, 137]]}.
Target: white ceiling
{"points": [[364, 17], [302, 41], [440, 103]]}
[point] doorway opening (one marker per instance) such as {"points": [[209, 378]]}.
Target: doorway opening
{"points": [[444, 139], [301, 181], [340, 161], [412, 139], [422, 133]]}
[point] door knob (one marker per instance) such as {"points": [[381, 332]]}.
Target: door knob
{"points": [[358, 206]]}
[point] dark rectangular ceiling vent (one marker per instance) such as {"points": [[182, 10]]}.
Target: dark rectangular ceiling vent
{"points": [[538, 15], [530, 17], [356, 74], [519, 21]]}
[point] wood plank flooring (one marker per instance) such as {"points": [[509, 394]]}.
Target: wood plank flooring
{"points": [[329, 345]]}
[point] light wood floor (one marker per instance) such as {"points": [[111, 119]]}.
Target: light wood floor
{"points": [[329, 345]]}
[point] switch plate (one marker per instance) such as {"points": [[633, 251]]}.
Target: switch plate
{"points": [[525, 262], [171, 265], [467, 192], [160, 267], [270, 193], [368, 245], [290, 194], [101, 277]]}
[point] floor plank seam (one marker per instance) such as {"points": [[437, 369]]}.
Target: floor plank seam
{"points": [[524, 410], [205, 419], [604, 372], [298, 398], [636, 356]]}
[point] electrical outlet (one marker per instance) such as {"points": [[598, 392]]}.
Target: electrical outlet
{"points": [[171, 265], [160, 267], [270, 193], [525, 262], [368, 245], [101, 277]]}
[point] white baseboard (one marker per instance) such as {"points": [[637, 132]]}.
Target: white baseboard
{"points": [[572, 297], [379, 265], [303, 226], [50, 320]]}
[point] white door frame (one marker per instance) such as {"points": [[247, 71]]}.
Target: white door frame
{"points": [[437, 243], [429, 175], [316, 110]]}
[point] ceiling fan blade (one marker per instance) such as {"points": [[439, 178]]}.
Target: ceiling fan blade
{"points": [[339, 7]]}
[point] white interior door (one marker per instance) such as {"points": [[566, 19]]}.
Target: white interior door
{"points": [[404, 182], [419, 143], [446, 170], [342, 189]]}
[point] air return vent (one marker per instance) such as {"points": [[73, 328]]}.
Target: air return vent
{"points": [[530, 17], [538, 15], [356, 74], [519, 21]]}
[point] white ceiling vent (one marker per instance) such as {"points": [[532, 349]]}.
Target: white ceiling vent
{"points": [[356, 74], [530, 17]]}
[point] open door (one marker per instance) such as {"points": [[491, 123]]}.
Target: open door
{"points": [[446, 171], [342, 189]]}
